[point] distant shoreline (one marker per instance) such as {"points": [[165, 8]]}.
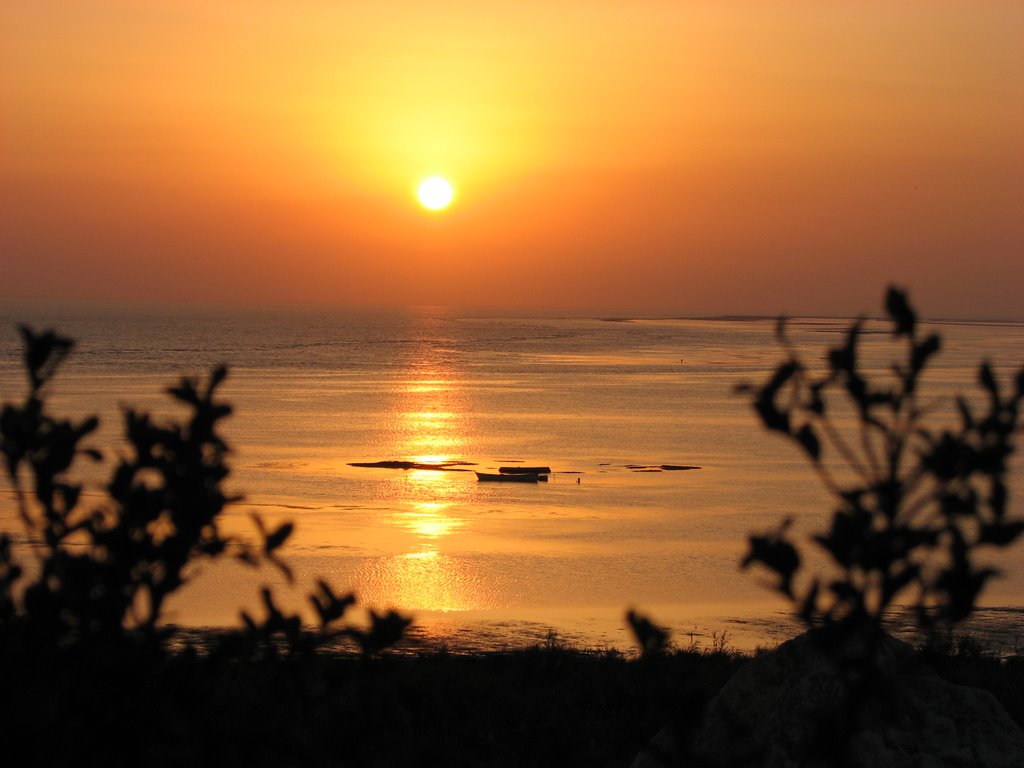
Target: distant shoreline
{"points": [[994, 631], [12, 308], [986, 322]]}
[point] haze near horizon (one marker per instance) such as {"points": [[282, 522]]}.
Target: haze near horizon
{"points": [[683, 158]]}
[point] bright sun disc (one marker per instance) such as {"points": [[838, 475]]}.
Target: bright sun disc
{"points": [[435, 193]]}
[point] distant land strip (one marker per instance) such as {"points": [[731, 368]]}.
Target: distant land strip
{"points": [[447, 466], [659, 467]]}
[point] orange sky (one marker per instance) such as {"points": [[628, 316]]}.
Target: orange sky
{"points": [[673, 157]]}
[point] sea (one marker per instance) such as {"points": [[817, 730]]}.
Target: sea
{"points": [[615, 405]]}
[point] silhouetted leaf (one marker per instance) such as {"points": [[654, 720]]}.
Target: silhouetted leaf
{"points": [[282, 566], [997, 498], [43, 353], [777, 554], [1001, 534], [844, 359], [652, 639], [962, 585], [924, 351], [278, 537], [247, 557], [809, 442], [988, 380], [965, 412], [808, 608], [185, 392], [219, 374], [71, 494], [947, 457], [816, 404], [901, 578], [899, 310], [772, 417], [330, 607], [385, 630]]}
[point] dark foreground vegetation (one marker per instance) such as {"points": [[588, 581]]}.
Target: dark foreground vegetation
{"points": [[90, 675], [539, 707]]}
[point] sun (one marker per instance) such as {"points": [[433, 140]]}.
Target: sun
{"points": [[435, 193]]}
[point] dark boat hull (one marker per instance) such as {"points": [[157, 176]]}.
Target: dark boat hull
{"points": [[530, 477]]}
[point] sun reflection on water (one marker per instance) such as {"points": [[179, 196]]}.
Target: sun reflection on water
{"points": [[427, 580], [428, 427], [425, 387], [429, 521]]}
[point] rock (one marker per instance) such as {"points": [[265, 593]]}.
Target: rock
{"points": [[797, 706]]}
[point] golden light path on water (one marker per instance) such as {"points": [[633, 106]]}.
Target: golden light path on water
{"points": [[428, 428]]}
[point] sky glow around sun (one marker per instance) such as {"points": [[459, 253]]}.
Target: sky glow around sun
{"points": [[731, 158]]}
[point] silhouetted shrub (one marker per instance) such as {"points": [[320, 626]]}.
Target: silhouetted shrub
{"points": [[914, 506], [103, 574]]}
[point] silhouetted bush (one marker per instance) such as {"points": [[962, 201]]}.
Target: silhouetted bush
{"points": [[103, 574], [915, 505]]}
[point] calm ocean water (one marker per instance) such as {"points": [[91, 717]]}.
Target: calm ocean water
{"points": [[600, 400]]}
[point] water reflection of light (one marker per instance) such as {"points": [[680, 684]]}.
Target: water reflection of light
{"points": [[429, 520], [427, 426], [434, 458], [434, 441], [433, 483], [421, 555], [431, 425], [427, 580], [428, 418], [425, 475]]}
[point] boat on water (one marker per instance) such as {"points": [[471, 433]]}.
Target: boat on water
{"points": [[525, 470], [520, 477]]}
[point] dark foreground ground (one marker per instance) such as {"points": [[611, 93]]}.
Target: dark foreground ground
{"points": [[541, 707]]}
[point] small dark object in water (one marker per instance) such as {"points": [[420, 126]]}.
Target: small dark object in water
{"points": [[658, 467], [448, 466], [532, 477]]}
